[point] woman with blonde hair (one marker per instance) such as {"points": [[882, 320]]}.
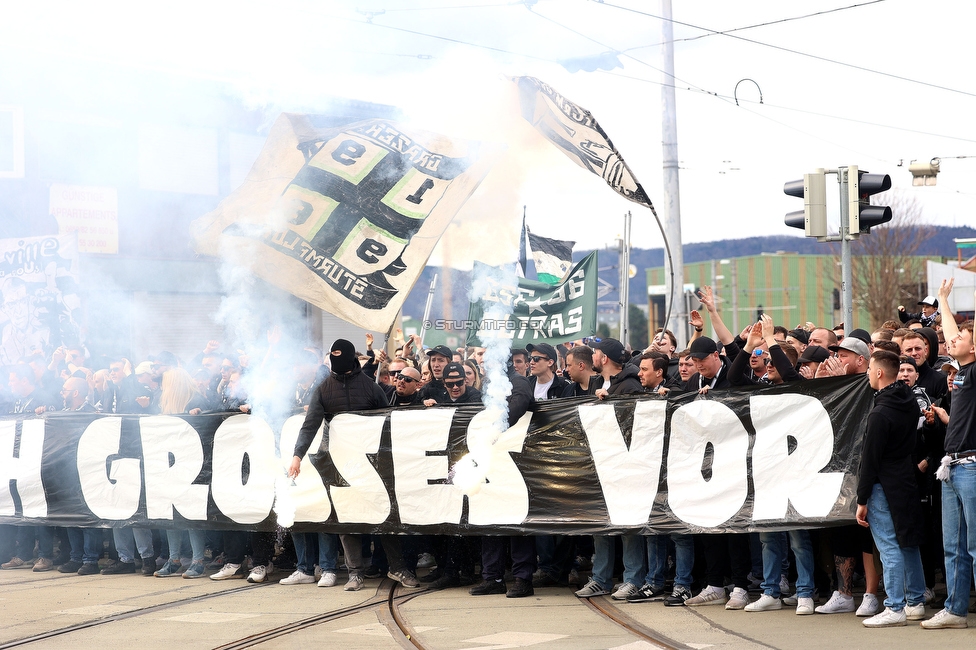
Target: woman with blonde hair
{"points": [[472, 374], [179, 396]]}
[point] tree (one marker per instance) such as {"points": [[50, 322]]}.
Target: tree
{"points": [[885, 272], [639, 338]]}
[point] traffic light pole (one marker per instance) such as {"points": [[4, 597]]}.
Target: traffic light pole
{"points": [[846, 267]]}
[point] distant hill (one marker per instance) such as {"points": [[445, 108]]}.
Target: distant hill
{"points": [[939, 244]]}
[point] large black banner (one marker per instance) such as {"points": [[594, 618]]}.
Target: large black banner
{"points": [[747, 459]]}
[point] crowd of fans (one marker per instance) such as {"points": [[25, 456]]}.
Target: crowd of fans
{"points": [[910, 527]]}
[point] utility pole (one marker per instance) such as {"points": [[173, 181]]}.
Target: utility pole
{"points": [[624, 289], [672, 209]]}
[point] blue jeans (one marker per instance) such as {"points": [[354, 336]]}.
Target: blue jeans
{"points": [[198, 544], [902, 565], [657, 559], [773, 555], [86, 544], [959, 535], [635, 567], [328, 544], [129, 540]]}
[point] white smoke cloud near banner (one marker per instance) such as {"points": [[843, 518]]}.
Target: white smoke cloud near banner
{"points": [[40, 288], [346, 217]]}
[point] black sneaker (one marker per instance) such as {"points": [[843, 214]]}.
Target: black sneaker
{"points": [[88, 569], [466, 579], [488, 587], [148, 567], [521, 589], [647, 593], [69, 567], [677, 597], [373, 572], [433, 576], [545, 580], [119, 568], [444, 582]]}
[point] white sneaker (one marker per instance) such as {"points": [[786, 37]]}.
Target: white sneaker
{"points": [[915, 612], [260, 573], [328, 579], [945, 620], [297, 578], [791, 601], [765, 603], [929, 595], [837, 604], [869, 606], [887, 618], [624, 590], [228, 571], [708, 596], [738, 599], [591, 589], [317, 574], [355, 583], [804, 606]]}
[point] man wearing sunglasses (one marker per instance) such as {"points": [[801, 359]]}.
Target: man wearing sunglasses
{"points": [[457, 391], [546, 384], [407, 391]]}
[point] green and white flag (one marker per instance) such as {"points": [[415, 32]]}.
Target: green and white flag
{"points": [[536, 312], [553, 258]]}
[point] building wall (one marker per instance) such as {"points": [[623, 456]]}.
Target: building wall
{"points": [[792, 288]]}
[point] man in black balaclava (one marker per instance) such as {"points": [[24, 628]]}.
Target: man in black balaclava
{"points": [[348, 389]]}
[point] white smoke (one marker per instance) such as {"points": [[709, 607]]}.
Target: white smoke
{"points": [[485, 428]]}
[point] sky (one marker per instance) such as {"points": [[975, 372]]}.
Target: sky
{"points": [[874, 84]]}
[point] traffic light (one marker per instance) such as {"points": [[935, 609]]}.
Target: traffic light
{"points": [[862, 216], [813, 190]]}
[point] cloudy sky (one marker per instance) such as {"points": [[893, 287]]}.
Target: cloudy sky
{"points": [[873, 84]]}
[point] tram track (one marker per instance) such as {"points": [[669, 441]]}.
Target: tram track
{"points": [[385, 603], [141, 611]]}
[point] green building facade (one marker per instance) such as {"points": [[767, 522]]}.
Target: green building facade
{"points": [[790, 287]]}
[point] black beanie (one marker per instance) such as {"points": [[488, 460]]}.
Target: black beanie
{"points": [[343, 357]]}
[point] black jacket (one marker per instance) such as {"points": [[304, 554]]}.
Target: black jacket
{"points": [[556, 389], [626, 381], [521, 399], [886, 458], [353, 391], [738, 375], [573, 389]]}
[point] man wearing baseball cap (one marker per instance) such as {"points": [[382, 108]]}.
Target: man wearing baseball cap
{"points": [[546, 384], [619, 377], [437, 357], [930, 310]]}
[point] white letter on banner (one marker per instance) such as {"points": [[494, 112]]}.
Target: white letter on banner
{"points": [[692, 498], [413, 434], [366, 500], [168, 485], [309, 496], [780, 477], [504, 499], [629, 478], [250, 501], [115, 495], [25, 470]]}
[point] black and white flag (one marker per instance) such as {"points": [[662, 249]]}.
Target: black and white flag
{"points": [[345, 217], [577, 134]]}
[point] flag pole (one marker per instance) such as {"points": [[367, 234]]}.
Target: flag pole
{"points": [[430, 299]]}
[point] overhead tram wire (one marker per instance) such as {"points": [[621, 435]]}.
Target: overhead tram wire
{"points": [[797, 52], [766, 24]]}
